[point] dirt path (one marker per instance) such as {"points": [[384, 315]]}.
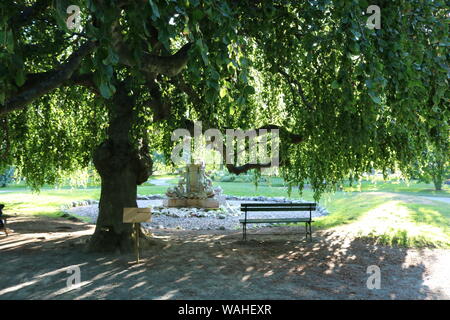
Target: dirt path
{"points": [[442, 199], [273, 264]]}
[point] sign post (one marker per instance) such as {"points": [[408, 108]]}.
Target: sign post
{"points": [[136, 216], [136, 228]]}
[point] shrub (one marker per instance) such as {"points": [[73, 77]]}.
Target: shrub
{"points": [[228, 178], [6, 177]]}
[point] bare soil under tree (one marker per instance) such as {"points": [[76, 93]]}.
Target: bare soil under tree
{"points": [[274, 264]]}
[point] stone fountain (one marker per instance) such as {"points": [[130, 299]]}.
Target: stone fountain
{"points": [[194, 189]]}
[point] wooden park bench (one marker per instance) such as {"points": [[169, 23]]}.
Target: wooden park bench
{"points": [[277, 207]]}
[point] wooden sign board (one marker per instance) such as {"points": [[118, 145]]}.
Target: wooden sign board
{"points": [[136, 215]]}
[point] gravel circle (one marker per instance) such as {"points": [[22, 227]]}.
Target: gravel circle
{"points": [[225, 218]]}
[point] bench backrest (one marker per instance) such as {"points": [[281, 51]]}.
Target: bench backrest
{"points": [[274, 207]]}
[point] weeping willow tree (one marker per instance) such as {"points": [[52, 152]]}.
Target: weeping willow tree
{"points": [[346, 98]]}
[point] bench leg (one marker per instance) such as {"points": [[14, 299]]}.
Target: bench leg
{"points": [[308, 231], [244, 231]]}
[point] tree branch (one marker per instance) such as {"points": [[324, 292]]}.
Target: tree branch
{"points": [[85, 80], [39, 84], [286, 137], [29, 12], [246, 167], [181, 84], [166, 65], [161, 110], [291, 81]]}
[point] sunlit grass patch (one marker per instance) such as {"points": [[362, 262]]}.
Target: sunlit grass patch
{"points": [[348, 209], [395, 222], [436, 215], [47, 202]]}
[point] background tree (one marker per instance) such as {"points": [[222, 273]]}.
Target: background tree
{"points": [[433, 166], [346, 98], [6, 176]]}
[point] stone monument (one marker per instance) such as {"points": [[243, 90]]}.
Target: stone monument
{"points": [[194, 189]]}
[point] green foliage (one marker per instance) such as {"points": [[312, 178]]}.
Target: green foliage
{"points": [[251, 176], [359, 98], [433, 165], [223, 176], [160, 164], [55, 137]]}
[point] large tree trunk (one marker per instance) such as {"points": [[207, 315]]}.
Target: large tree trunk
{"points": [[121, 167]]}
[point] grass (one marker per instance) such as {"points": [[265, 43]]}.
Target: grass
{"points": [[47, 202], [393, 223], [396, 215], [391, 219], [417, 188]]}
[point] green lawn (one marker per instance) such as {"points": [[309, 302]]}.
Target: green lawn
{"points": [[421, 188], [396, 215], [393, 219], [47, 202]]}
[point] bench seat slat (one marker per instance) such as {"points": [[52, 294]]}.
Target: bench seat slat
{"points": [[274, 220], [278, 209]]}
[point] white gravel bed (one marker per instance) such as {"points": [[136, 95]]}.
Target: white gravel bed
{"points": [[225, 218]]}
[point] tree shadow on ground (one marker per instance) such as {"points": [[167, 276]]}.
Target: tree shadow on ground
{"points": [[41, 224], [275, 263]]}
